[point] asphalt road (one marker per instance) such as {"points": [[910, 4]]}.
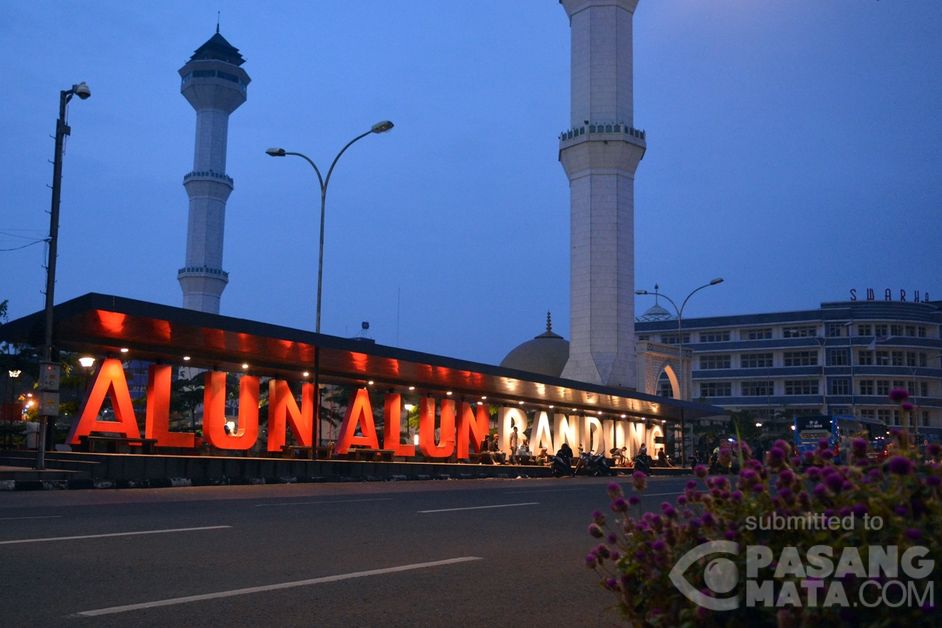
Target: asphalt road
{"points": [[435, 553]]}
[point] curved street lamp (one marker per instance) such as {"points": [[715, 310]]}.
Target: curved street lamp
{"points": [[681, 384], [62, 129], [379, 127]]}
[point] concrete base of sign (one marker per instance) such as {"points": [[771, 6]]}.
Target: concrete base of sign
{"points": [[101, 470]]}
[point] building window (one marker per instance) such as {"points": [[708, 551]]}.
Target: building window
{"points": [[923, 361], [896, 330], [801, 387], [840, 386], [925, 418], [762, 333], [835, 330], [755, 360], [880, 329], [923, 389], [910, 358], [720, 361], [884, 416], [714, 336], [897, 358], [672, 339], [837, 357], [883, 387], [804, 331], [643, 338], [911, 331], [757, 388], [800, 358], [921, 331], [868, 413], [883, 358], [866, 387], [716, 389], [864, 330], [865, 358]]}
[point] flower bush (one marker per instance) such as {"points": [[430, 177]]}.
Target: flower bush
{"points": [[637, 550]]}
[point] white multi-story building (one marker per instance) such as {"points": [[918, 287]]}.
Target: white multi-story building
{"points": [[842, 358]]}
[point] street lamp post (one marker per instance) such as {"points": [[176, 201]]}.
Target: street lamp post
{"points": [[49, 411], [681, 382], [379, 127]]}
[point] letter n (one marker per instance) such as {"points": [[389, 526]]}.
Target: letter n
{"points": [[359, 413], [283, 411], [110, 382], [157, 421], [214, 412], [472, 428], [427, 444]]}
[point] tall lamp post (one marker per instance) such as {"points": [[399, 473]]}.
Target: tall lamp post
{"points": [[49, 372], [681, 382], [379, 127]]}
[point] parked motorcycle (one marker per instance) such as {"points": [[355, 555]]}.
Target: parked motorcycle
{"points": [[642, 463], [594, 464]]}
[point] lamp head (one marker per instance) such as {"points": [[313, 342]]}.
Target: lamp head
{"points": [[382, 127], [81, 90], [713, 282], [86, 361], [276, 152], [641, 292]]}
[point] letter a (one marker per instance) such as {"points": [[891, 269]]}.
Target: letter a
{"points": [[359, 413], [110, 382]]}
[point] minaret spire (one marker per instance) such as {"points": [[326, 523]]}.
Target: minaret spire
{"points": [[215, 85], [600, 152]]}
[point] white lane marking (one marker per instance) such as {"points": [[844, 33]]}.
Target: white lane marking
{"points": [[657, 494], [273, 587], [102, 536], [422, 512], [36, 517], [551, 490], [338, 501]]}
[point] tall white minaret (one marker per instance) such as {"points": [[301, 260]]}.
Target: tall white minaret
{"points": [[600, 153], [215, 85]]}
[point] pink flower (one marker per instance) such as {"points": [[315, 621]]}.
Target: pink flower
{"points": [[899, 394], [640, 480], [899, 465]]}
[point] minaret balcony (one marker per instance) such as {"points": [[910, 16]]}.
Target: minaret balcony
{"points": [[202, 271], [602, 131], [210, 175]]}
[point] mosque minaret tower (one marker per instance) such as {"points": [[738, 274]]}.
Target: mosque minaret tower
{"points": [[600, 153], [215, 85]]}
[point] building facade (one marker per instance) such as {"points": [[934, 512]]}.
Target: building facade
{"points": [[842, 358]]}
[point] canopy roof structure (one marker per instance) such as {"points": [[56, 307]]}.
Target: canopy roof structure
{"points": [[105, 324]]}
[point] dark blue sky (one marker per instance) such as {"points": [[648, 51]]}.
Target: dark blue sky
{"points": [[793, 148]]}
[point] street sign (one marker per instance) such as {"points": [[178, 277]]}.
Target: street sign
{"points": [[49, 376], [48, 403]]}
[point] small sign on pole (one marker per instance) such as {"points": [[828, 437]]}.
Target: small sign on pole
{"points": [[49, 376], [49, 403]]}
